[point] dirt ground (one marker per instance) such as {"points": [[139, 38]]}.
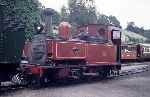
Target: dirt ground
{"points": [[137, 85]]}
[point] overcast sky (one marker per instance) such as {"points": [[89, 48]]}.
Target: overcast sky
{"points": [[124, 10]]}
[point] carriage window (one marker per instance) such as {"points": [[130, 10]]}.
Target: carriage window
{"points": [[146, 49], [132, 49], [123, 47], [128, 48]]}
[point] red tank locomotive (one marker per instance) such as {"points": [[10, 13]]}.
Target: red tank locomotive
{"points": [[90, 53]]}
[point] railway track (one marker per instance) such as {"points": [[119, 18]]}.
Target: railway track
{"points": [[134, 63], [135, 69], [10, 86]]}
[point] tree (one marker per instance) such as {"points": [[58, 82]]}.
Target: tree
{"points": [[64, 14], [103, 19], [133, 28], [107, 20], [77, 12], [130, 26], [92, 18], [56, 18], [113, 20], [17, 22], [50, 18], [82, 12], [23, 13]]}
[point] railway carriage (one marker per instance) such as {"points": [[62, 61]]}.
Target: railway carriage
{"points": [[12, 39], [143, 52], [11, 45], [129, 52], [135, 52]]}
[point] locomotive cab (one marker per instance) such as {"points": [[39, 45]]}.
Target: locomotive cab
{"points": [[116, 39]]}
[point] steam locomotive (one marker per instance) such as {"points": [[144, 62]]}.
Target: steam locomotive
{"points": [[94, 51]]}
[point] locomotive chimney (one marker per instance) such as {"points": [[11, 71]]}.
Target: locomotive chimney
{"points": [[47, 16]]}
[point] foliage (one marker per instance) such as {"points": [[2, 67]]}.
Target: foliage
{"points": [[23, 12], [50, 18], [147, 34], [106, 20], [132, 27], [56, 18], [131, 37], [103, 19], [17, 22], [50, 13], [139, 30], [92, 17], [80, 13], [64, 14], [113, 20]]}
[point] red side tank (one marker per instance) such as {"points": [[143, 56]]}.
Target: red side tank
{"points": [[64, 30]]}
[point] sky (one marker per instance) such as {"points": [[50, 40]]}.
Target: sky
{"points": [[124, 10]]}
